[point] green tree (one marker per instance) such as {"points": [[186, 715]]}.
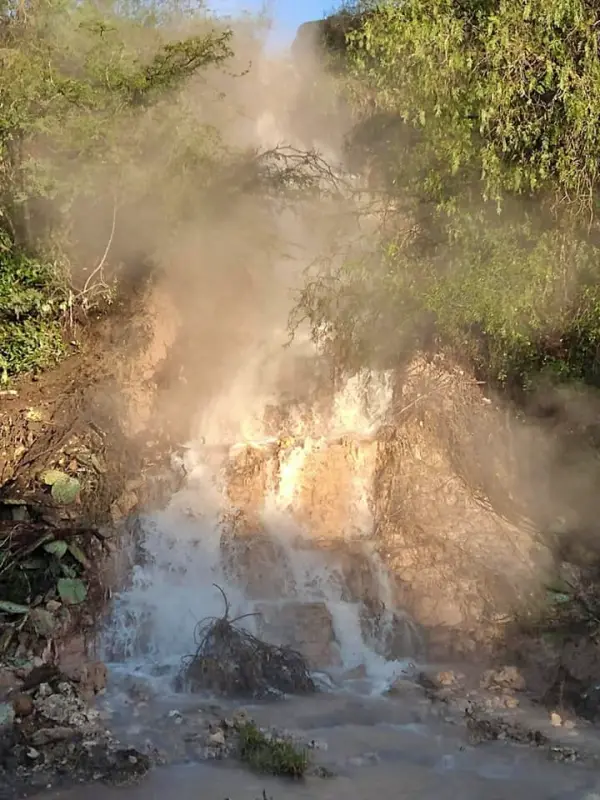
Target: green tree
{"points": [[478, 119], [89, 94]]}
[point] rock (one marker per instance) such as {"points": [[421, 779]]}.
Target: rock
{"points": [[93, 678], [56, 708], [446, 678], [357, 673], [392, 634], [501, 679], [555, 720], [240, 718], [123, 506], [402, 687], [256, 562], [216, 739], [74, 664], [45, 736], [53, 606], [43, 622], [44, 690], [22, 705], [306, 627], [73, 657]]}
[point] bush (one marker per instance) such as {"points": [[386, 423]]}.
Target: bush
{"points": [[88, 96], [270, 755], [477, 121]]}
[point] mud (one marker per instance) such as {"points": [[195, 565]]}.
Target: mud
{"points": [[364, 746]]}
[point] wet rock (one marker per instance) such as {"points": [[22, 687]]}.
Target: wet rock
{"points": [[305, 627], [392, 634], [240, 717], [216, 739], [45, 736], [125, 767], [562, 754], [56, 708], [138, 689], [506, 678], [446, 678], [482, 728], [256, 562], [357, 673], [402, 687]]}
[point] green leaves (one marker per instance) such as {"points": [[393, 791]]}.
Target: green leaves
{"points": [[71, 591], [88, 98], [56, 548], [478, 119], [66, 490], [516, 88], [7, 607]]}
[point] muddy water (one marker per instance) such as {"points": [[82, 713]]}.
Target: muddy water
{"points": [[387, 748]]}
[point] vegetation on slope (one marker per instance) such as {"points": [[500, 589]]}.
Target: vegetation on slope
{"points": [[89, 95], [478, 122]]}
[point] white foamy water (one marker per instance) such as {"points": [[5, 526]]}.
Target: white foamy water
{"points": [[181, 557]]}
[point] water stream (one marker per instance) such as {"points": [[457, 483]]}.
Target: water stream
{"points": [[306, 532]]}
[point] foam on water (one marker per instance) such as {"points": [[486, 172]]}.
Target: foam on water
{"points": [[172, 585]]}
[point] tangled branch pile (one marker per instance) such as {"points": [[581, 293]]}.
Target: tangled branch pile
{"points": [[230, 661]]}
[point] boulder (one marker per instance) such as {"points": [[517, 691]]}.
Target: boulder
{"points": [[257, 563], [306, 627]]}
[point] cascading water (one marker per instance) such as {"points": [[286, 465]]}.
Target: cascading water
{"points": [[277, 507], [304, 491]]}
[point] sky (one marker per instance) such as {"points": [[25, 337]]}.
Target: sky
{"points": [[287, 14]]}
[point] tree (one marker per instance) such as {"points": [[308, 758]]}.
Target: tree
{"points": [[479, 118], [89, 94]]}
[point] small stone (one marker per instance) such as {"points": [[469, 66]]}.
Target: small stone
{"points": [[317, 744], [401, 686], [503, 678], [22, 705], [446, 678], [555, 719], [53, 606], [216, 739], [569, 724], [240, 718], [49, 735], [123, 506], [510, 701], [32, 753], [56, 708]]}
